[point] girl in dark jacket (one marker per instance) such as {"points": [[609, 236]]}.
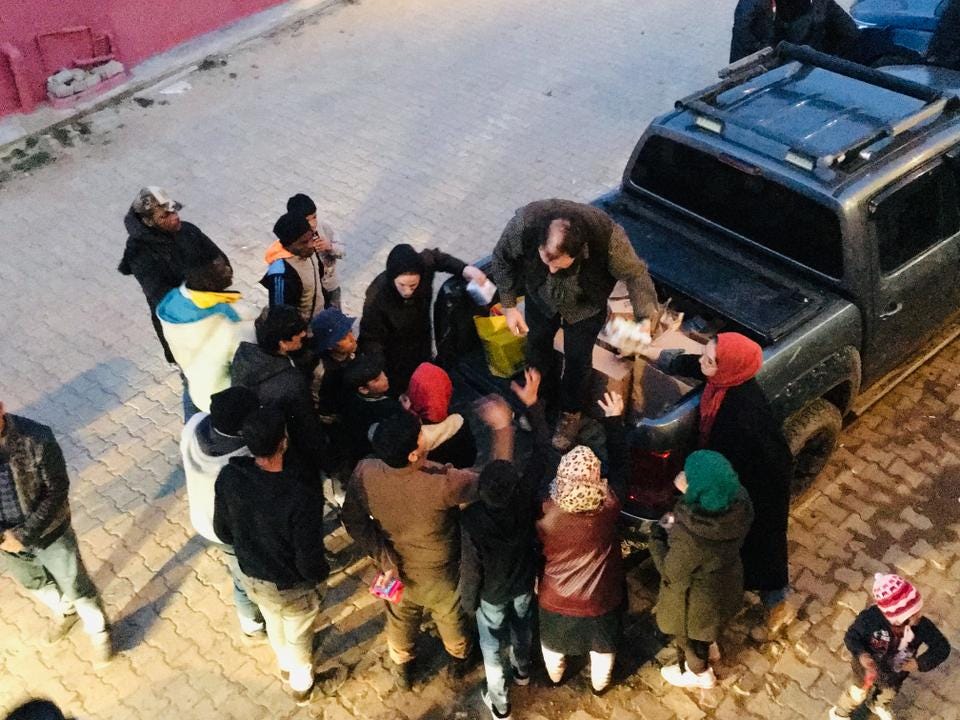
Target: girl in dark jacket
{"points": [[698, 557], [396, 310], [736, 420], [582, 582]]}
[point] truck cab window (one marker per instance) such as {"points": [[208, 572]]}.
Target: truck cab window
{"points": [[762, 210], [917, 216]]}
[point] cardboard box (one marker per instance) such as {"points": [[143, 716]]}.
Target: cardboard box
{"points": [[653, 391], [676, 340], [610, 374]]}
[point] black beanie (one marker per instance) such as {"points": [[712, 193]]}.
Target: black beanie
{"points": [[403, 259], [276, 323], [230, 407], [498, 483], [302, 205], [290, 228], [362, 370], [395, 438], [263, 430]]}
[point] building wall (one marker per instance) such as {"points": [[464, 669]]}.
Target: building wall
{"points": [[33, 44]]}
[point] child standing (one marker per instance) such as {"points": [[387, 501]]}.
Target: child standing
{"points": [[328, 249], [884, 641]]}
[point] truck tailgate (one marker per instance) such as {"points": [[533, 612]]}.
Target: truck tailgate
{"points": [[723, 277]]}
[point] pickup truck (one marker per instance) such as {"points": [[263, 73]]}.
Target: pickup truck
{"points": [[808, 202]]}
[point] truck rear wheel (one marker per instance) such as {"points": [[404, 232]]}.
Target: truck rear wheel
{"points": [[812, 435]]}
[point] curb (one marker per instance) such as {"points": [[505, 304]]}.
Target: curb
{"points": [[180, 60]]}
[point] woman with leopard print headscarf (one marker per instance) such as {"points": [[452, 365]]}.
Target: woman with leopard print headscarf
{"points": [[581, 587]]}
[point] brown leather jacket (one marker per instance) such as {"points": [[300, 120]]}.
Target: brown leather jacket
{"points": [[583, 573]]}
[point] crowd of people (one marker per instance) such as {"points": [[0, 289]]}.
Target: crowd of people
{"points": [[296, 408], [287, 412]]}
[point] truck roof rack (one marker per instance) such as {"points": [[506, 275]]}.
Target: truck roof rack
{"points": [[801, 151]]}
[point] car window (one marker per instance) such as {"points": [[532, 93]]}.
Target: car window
{"points": [[763, 211], [914, 217]]}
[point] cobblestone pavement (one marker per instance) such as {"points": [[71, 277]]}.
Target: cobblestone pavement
{"points": [[426, 122]]}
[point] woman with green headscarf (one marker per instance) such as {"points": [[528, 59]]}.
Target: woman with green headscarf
{"points": [[696, 549]]}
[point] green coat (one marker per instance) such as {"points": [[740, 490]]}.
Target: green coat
{"points": [[701, 575]]}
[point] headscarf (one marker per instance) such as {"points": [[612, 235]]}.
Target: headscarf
{"points": [[578, 486], [404, 260], [429, 391], [712, 483], [738, 359]]}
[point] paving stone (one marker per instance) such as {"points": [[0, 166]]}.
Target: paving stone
{"points": [[790, 665], [683, 706]]}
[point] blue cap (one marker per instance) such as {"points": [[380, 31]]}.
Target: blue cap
{"points": [[329, 327]]}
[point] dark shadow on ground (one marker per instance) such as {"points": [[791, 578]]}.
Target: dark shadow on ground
{"points": [[84, 398], [144, 608]]}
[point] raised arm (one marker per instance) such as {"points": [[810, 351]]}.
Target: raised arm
{"points": [[625, 265]]}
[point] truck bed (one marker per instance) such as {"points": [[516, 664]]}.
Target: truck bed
{"points": [[754, 295]]}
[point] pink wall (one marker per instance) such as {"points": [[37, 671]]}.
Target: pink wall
{"points": [[138, 28]]}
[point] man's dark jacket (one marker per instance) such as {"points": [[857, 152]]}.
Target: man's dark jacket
{"points": [[580, 291], [502, 543], [273, 522], [40, 477], [159, 261], [757, 24], [398, 328], [945, 45], [276, 380]]}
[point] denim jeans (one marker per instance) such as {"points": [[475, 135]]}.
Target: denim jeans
{"points": [[189, 409], [247, 610], [501, 627], [57, 576]]}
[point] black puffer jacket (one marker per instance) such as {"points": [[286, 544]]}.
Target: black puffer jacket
{"points": [[399, 329], [758, 24], [276, 380], [159, 261]]}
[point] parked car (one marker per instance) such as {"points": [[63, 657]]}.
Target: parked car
{"points": [[911, 22], [807, 202]]}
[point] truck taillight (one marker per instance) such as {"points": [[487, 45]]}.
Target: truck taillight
{"points": [[650, 491]]}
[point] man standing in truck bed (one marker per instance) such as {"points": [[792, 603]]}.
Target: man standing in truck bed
{"points": [[565, 257]]}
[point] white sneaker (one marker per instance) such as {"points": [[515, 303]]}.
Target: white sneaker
{"points": [[494, 713], [882, 711], [834, 714], [685, 678]]}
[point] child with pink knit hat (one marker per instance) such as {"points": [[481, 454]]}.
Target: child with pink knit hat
{"points": [[885, 641]]}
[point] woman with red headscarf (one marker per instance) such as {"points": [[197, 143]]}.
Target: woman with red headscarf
{"points": [[448, 436], [736, 420]]}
